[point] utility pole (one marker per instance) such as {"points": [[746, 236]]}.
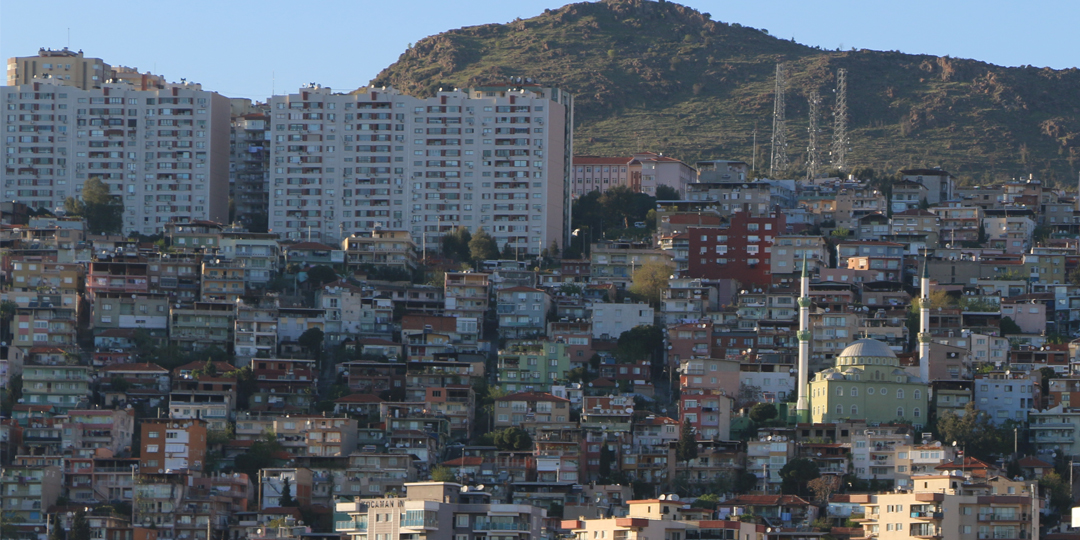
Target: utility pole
{"points": [[779, 161], [840, 141]]}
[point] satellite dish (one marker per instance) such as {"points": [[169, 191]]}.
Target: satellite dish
{"points": [[663, 497], [480, 487], [464, 489], [674, 497]]}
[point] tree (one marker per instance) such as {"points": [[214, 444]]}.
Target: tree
{"points": [[286, 500], [56, 532], [666, 193], [80, 526], [553, 249], [637, 343], [512, 438], [321, 275], [312, 340], [508, 252], [823, 487], [1009, 326], [1060, 492], [763, 412], [455, 244], [796, 474], [974, 432], [104, 214], [708, 500], [650, 280], [440, 473], [7, 313], [260, 455], [686, 448], [482, 247], [607, 458]]}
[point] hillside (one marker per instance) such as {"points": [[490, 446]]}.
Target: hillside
{"points": [[664, 77]]}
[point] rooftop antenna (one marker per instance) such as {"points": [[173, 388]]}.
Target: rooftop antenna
{"points": [[840, 141], [779, 160], [813, 155]]}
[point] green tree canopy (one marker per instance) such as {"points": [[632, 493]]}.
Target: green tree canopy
{"points": [[286, 500], [321, 275], [482, 247], [650, 280], [974, 432], [455, 244], [666, 193], [260, 455], [638, 343], [440, 473], [686, 448], [80, 526], [796, 476], [104, 213], [312, 340], [1009, 326], [513, 438], [763, 412]]}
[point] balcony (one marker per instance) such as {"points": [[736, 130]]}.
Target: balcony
{"points": [[420, 524], [501, 526], [927, 515], [1003, 517]]}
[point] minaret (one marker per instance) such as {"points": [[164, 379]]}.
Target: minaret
{"points": [[802, 406], [924, 323]]}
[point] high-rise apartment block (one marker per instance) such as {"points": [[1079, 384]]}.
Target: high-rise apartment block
{"points": [[496, 159], [164, 152]]}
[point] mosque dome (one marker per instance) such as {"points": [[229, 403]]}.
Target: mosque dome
{"points": [[867, 348]]}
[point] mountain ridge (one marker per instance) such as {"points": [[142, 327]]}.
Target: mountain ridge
{"points": [[664, 77]]}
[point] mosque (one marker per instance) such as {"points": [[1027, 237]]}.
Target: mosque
{"points": [[867, 381]]}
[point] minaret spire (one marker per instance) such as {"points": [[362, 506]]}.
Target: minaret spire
{"points": [[924, 321], [802, 406]]}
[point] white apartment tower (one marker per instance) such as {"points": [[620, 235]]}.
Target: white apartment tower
{"points": [[491, 158], [165, 151]]}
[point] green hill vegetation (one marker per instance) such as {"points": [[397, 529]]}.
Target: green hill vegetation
{"points": [[663, 77]]}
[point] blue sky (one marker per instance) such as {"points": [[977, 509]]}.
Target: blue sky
{"points": [[244, 48]]}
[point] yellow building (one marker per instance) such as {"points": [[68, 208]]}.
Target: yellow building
{"points": [[868, 383]]}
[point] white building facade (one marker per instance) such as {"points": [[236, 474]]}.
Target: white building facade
{"points": [[165, 152], [490, 158]]}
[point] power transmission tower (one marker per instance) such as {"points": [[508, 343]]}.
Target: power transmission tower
{"points": [[840, 143], [779, 162], [813, 153]]}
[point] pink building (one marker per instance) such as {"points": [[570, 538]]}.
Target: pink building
{"points": [[593, 173], [642, 172]]}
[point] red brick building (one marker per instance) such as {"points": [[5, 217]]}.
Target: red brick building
{"points": [[741, 251]]}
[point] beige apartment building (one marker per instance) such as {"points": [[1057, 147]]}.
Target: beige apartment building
{"points": [[165, 153], [63, 66], [496, 159], [955, 507]]}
